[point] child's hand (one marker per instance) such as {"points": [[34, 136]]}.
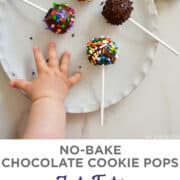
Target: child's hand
{"points": [[52, 81]]}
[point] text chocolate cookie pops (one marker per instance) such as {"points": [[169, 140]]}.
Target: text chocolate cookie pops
{"points": [[102, 51], [118, 11]]}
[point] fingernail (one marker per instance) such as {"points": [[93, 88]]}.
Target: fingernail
{"points": [[12, 84], [80, 73], [52, 44], [35, 48], [67, 53]]}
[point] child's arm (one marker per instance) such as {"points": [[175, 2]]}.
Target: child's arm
{"points": [[47, 117]]}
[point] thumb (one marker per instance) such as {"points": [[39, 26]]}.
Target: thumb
{"points": [[20, 84]]}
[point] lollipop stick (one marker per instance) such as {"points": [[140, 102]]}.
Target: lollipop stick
{"points": [[154, 36], [35, 5], [102, 95]]}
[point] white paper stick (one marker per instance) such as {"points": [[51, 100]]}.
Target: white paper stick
{"points": [[35, 6], [154, 36], [102, 94]]}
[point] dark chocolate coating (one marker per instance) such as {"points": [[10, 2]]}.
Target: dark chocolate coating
{"points": [[117, 11]]}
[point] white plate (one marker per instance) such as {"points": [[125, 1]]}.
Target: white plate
{"points": [[19, 22]]}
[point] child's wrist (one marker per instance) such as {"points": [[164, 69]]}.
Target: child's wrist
{"points": [[49, 98]]}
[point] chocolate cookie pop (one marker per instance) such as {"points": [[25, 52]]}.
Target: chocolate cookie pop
{"points": [[60, 18], [102, 51], [117, 11]]}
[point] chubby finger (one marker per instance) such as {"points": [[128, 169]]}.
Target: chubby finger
{"points": [[20, 84], [73, 80], [39, 59], [53, 60], [64, 63]]}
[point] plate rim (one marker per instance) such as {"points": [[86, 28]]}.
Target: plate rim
{"points": [[145, 68]]}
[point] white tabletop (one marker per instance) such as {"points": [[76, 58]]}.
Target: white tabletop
{"points": [[152, 111]]}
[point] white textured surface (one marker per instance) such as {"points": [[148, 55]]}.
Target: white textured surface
{"points": [[130, 69], [153, 110]]}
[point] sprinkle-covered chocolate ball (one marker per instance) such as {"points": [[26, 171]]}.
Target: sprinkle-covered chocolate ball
{"points": [[60, 18], [102, 50], [117, 11]]}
